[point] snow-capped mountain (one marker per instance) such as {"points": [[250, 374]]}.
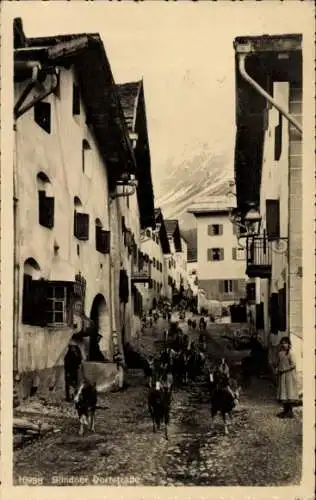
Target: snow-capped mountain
{"points": [[190, 180]]}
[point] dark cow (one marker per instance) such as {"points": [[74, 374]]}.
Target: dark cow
{"points": [[159, 403], [72, 363], [224, 396], [85, 403]]}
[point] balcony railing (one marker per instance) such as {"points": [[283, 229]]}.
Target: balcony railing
{"points": [[141, 273], [259, 257]]}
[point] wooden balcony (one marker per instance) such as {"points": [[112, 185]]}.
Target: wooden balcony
{"points": [[141, 273], [259, 257]]}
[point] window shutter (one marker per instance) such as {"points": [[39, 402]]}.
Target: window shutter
{"points": [[81, 229], [220, 229], [41, 208], [210, 230], [274, 313], [221, 253], [235, 231], [282, 309], [102, 240], [273, 219], [46, 210], [278, 139], [209, 254], [260, 316], [234, 252], [39, 302], [27, 306], [123, 288], [221, 286]]}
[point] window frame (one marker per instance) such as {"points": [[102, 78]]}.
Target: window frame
{"points": [[229, 289], [210, 251]]}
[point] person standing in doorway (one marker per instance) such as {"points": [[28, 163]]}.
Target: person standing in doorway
{"points": [[287, 381]]}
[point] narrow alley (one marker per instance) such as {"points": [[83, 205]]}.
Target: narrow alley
{"points": [[259, 450]]}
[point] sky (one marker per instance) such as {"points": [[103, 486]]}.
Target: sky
{"points": [[184, 53]]}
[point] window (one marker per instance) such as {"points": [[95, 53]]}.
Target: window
{"points": [[154, 262], [102, 238], [215, 254], [42, 115], [45, 203], [56, 305], [46, 210], [81, 226], [45, 303], [278, 139], [81, 221], [238, 253], [215, 229], [228, 286], [273, 219], [148, 233], [75, 100], [86, 158]]}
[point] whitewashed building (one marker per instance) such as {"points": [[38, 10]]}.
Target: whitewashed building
{"points": [[268, 173], [155, 248], [221, 262], [132, 212], [72, 149]]}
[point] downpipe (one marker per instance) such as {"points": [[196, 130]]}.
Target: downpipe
{"points": [[261, 91]]}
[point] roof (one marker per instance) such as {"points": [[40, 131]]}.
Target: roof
{"points": [[86, 53], [132, 99], [162, 231], [129, 94], [213, 205], [173, 231], [265, 64]]}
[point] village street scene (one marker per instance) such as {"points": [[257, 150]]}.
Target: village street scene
{"points": [[157, 310]]}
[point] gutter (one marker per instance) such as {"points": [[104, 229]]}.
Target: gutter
{"points": [[242, 69]]}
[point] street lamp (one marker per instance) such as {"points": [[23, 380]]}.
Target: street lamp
{"points": [[252, 222], [248, 224]]}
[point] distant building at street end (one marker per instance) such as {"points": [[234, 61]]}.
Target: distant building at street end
{"points": [[156, 249], [177, 261], [268, 176], [193, 277], [220, 261]]}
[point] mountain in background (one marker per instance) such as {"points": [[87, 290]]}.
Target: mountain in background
{"points": [[201, 176]]}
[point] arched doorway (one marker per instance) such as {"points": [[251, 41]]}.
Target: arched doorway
{"points": [[102, 326]]}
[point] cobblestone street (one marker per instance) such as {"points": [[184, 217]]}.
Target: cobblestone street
{"points": [[260, 450]]}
